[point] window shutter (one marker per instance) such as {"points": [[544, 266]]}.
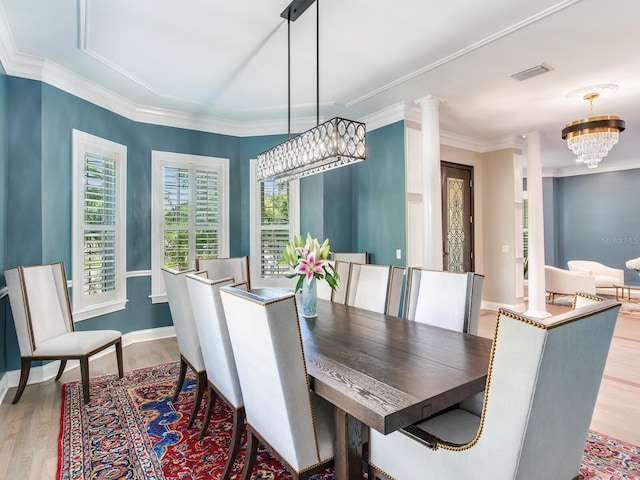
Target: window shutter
{"points": [[275, 229], [99, 229], [176, 216], [207, 207]]}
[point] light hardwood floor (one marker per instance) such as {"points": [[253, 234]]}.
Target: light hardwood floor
{"points": [[29, 430]]}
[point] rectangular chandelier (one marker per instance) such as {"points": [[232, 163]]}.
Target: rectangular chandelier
{"points": [[332, 144]]}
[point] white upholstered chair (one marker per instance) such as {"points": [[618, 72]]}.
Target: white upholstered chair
{"points": [[558, 281], [339, 295], [369, 286], [541, 390], [186, 334], [44, 324], [396, 289], [444, 299], [233, 267], [352, 257], [605, 276], [282, 412], [217, 352]]}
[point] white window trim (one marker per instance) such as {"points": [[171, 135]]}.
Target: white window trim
{"points": [[85, 307], [256, 224], [158, 161]]}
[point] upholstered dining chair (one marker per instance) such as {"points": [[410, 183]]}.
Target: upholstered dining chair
{"points": [[369, 286], [282, 412], [396, 289], [219, 360], [444, 299], [339, 295], [542, 385], [186, 334], [324, 290], [233, 267], [41, 310], [582, 299], [351, 257]]}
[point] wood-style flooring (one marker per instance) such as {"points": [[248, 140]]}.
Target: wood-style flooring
{"points": [[29, 430]]}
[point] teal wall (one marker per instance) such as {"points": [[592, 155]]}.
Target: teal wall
{"points": [[598, 219], [378, 198], [4, 168]]}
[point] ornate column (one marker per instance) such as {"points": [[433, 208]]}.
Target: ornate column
{"points": [[537, 301], [431, 184]]}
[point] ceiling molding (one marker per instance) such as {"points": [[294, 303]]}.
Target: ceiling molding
{"points": [[581, 169], [469, 48]]}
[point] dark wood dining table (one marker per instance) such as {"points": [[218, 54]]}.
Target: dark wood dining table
{"points": [[385, 372]]}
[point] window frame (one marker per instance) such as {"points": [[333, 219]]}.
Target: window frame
{"points": [[159, 160], [89, 306], [256, 227]]}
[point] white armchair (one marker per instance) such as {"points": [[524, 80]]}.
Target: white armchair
{"points": [[605, 276], [186, 335], [219, 360], [541, 389], [283, 414], [565, 282], [44, 325]]}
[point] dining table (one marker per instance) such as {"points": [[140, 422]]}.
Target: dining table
{"points": [[385, 372]]}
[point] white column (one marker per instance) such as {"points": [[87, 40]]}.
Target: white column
{"points": [[537, 301], [431, 184]]}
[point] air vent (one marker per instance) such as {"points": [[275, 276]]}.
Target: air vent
{"points": [[532, 72]]}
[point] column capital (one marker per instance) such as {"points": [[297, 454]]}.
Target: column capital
{"points": [[430, 101]]}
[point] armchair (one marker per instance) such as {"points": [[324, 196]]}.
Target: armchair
{"points": [[535, 417], [565, 282], [605, 276], [234, 267], [44, 324]]}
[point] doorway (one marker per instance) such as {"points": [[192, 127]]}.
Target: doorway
{"points": [[457, 217]]}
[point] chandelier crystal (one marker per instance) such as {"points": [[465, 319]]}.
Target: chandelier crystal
{"points": [[591, 139]]}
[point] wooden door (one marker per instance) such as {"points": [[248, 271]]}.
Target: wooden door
{"points": [[457, 217]]}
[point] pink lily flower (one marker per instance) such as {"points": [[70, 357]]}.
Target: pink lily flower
{"points": [[309, 267]]}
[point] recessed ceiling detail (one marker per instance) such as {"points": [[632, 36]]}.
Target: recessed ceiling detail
{"points": [[532, 72]]}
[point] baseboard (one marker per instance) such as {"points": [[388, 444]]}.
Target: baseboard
{"points": [[4, 387], [46, 372], [520, 307]]}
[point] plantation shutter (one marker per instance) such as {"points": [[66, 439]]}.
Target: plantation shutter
{"points": [[275, 228], [99, 226], [191, 209]]}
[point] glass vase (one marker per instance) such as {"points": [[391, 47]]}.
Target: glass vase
{"points": [[309, 298]]}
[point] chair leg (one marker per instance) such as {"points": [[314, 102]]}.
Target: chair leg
{"points": [[63, 363], [84, 374], [236, 436], [183, 373], [119, 358], [201, 382], [250, 458], [208, 412], [25, 368]]}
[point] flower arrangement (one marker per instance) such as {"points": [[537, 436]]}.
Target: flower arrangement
{"points": [[634, 264], [309, 260]]}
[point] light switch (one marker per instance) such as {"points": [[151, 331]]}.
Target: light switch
{"points": [[505, 248], [398, 254]]}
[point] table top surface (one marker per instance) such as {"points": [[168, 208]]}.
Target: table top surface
{"points": [[389, 372]]}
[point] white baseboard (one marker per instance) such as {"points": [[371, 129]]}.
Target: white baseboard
{"points": [[520, 307], [45, 372]]}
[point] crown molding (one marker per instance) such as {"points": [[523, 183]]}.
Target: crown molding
{"points": [[580, 169]]}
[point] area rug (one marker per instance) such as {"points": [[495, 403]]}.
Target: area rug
{"points": [[132, 430]]}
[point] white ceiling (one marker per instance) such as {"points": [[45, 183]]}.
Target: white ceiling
{"points": [[227, 60]]}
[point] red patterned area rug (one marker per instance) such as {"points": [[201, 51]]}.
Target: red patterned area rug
{"points": [[132, 430]]}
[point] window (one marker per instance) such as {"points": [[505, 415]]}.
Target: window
{"points": [[99, 226], [274, 221], [525, 226], [189, 212]]}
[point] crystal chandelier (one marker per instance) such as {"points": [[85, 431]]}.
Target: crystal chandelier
{"points": [[332, 144], [590, 139]]}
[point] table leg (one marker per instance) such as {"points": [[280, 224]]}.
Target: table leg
{"points": [[348, 446]]}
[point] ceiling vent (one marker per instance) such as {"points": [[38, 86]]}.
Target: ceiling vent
{"points": [[532, 72]]}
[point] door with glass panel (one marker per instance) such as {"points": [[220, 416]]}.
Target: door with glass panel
{"points": [[457, 217]]}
